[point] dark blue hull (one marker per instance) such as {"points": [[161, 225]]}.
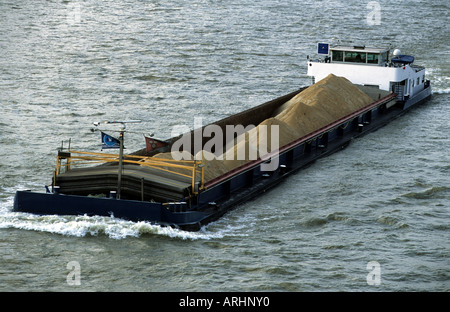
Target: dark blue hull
{"points": [[132, 210], [240, 185]]}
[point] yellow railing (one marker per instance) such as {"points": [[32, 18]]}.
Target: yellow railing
{"points": [[77, 158]]}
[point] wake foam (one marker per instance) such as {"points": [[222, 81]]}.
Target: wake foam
{"points": [[443, 91], [82, 226], [439, 80]]}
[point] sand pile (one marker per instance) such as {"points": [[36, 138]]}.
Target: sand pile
{"points": [[213, 166], [304, 118], [337, 95], [315, 107], [268, 136]]}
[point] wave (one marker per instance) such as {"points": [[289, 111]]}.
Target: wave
{"points": [[439, 80], [443, 91], [392, 221], [162, 78], [433, 192], [115, 228], [82, 226]]}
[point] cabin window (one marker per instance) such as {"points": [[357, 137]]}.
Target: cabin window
{"points": [[372, 58], [337, 56], [355, 57], [383, 57], [418, 81]]}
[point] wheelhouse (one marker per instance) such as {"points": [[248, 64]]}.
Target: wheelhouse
{"points": [[359, 55]]}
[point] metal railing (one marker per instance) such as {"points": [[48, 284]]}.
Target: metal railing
{"points": [[79, 159]]}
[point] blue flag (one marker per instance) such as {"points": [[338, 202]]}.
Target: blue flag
{"points": [[322, 48], [109, 142]]}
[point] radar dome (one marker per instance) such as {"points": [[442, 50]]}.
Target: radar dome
{"points": [[397, 52]]}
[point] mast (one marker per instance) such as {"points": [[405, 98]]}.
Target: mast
{"points": [[121, 141], [119, 175]]}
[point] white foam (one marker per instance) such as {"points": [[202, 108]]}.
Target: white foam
{"points": [[439, 81], [442, 91], [81, 226]]}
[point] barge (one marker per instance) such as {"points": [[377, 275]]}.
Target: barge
{"points": [[168, 183]]}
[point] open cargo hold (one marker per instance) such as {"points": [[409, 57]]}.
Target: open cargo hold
{"points": [[307, 111]]}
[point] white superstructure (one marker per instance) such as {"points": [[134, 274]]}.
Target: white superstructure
{"points": [[370, 67]]}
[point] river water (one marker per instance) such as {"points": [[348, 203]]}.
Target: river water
{"points": [[373, 217]]}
